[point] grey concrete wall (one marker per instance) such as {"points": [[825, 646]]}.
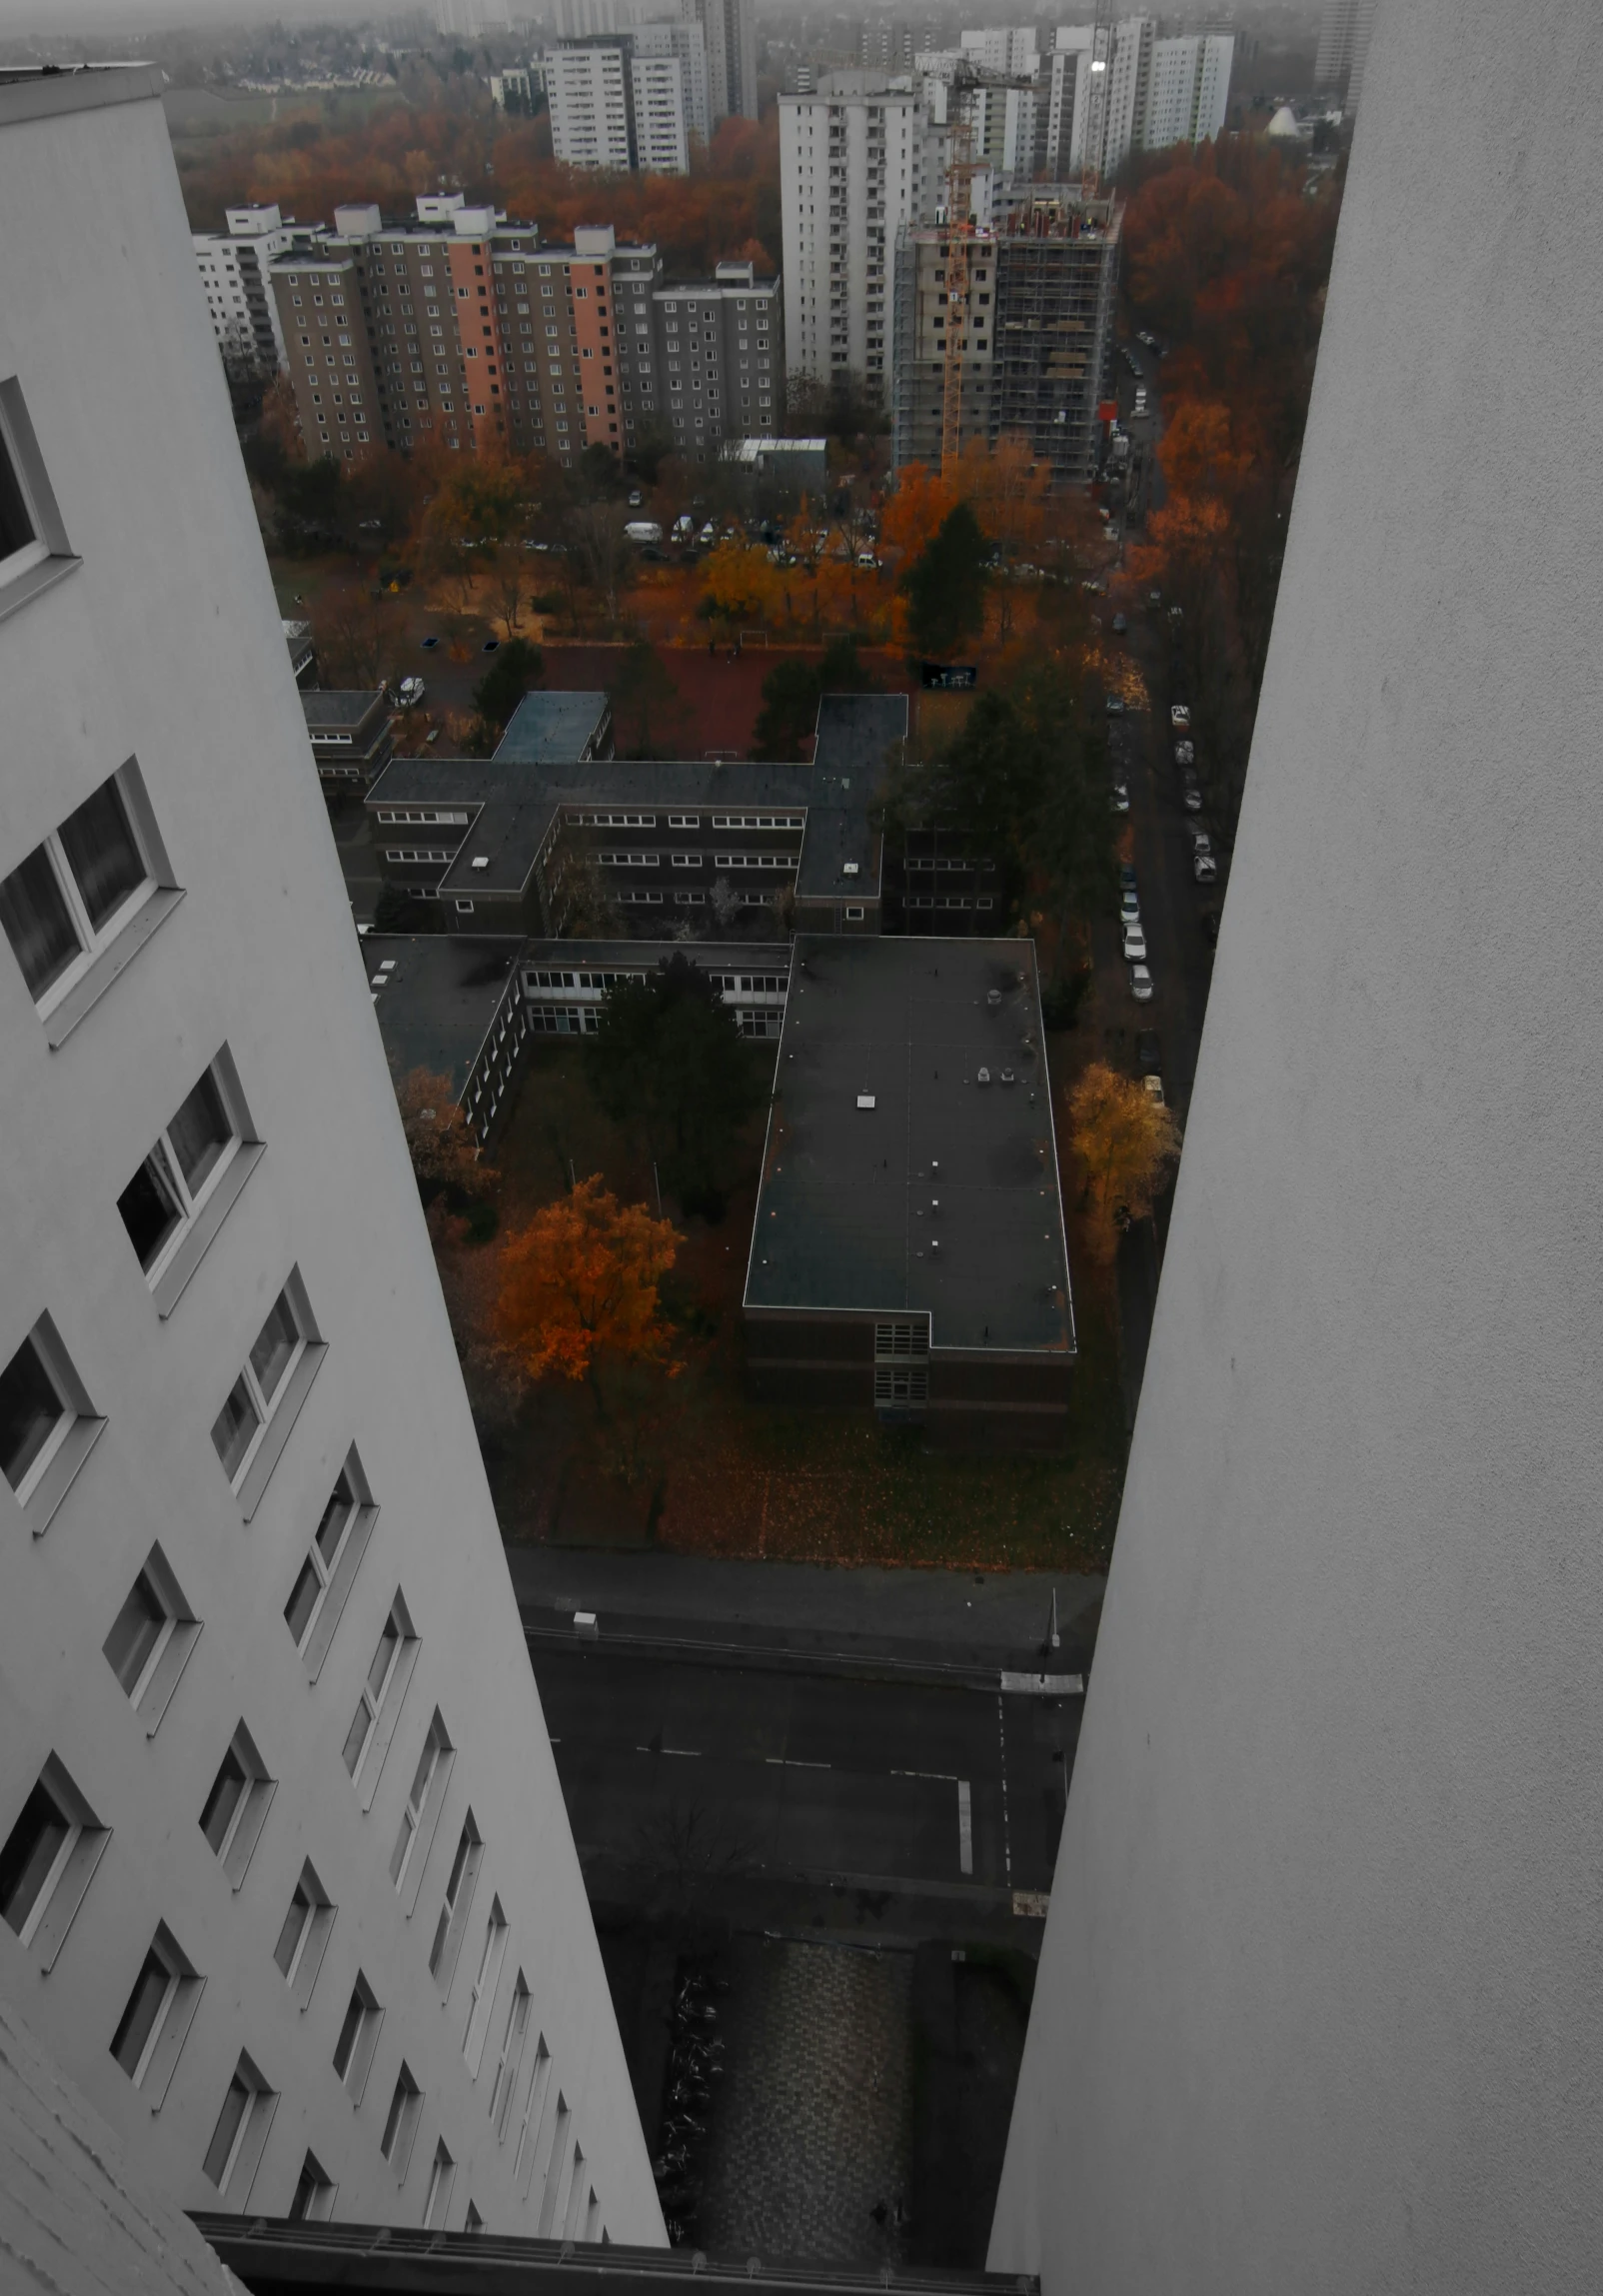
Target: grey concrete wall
{"points": [[165, 643], [1320, 2000]]}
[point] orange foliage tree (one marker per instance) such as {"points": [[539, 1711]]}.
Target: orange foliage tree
{"points": [[578, 1288]]}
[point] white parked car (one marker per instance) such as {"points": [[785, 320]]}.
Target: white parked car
{"points": [[1155, 1089], [1136, 943], [1180, 718], [1119, 798], [1129, 905], [1185, 753], [707, 535], [1140, 984], [409, 692]]}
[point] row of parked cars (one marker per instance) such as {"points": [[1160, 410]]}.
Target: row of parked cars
{"points": [[1204, 861]]}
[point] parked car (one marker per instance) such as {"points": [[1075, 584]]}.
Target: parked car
{"points": [[684, 527], [866, 558], [1181, 717], [1140, 984], [1155, 1089], [636, 498], [1130, 909], [1146, 1051], [1155, 597], [643, 530], [707, 535], [410, 692], [1120, 625], [1114, 705], [1204, 868], [1192, 793], [1134, 942], [1185, 753], [1126, 876], [1119, 798]]}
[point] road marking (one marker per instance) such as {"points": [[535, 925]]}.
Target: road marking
{"points": [[790, 1763], [940, 1778], [1001, 1733], [966, 1828], [685, 1753]]}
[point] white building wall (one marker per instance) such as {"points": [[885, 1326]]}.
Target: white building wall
{"points": [[1125, 107], [163, 644], [1318, 1999], [688, 43], [662, 133], [841, 207], [589, 107], [1190, 90]]}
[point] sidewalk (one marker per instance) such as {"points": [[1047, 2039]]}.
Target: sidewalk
{"points": [[969, 1617]]}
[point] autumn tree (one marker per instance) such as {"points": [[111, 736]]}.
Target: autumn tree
{"points": [[440, 1141], [945, 585], [578, 1288], [668, 1059], [737, 584], [517, 667], [353, 638], [913, 516], [1127, 1143], [601, 550]]}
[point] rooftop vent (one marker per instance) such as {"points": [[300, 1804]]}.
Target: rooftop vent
{"points": [[849, 868], [865, 1100], [481, 861]]}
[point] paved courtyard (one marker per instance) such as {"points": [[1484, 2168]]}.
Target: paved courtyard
{"points": [[815, 2132]]}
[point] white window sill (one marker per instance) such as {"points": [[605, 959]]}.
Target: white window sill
{"points": [[171, 1283], [297, 1385], [39, 1507], [112, 962], [20, 589]]}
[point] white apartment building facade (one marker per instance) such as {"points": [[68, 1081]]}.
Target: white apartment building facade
{"points": [[287, 1886], [858, 160], [683, 46], [587, 88], [729, 29], [233, 266], [1190, 90], [1119, 88]]}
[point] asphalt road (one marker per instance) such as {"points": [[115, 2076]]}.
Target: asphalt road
{"points": [[949, 1793]]}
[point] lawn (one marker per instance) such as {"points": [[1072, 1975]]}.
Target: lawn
{"points": [[688, 1463]]}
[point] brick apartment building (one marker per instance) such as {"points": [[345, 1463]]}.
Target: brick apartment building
{"points": [[463, 328]]}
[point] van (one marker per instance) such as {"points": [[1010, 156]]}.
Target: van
{"points": [[683, 528], [643, 530]]}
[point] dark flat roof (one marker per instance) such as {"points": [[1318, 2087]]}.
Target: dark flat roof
{"points": [[847, 1216], [439, 995], [550, 728], [856, 737], [339, 707], [642, 955]]}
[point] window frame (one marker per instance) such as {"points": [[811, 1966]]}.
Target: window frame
{"points": [[455, 1905], [486, 1985], [383, 1707], [249, 2140], [442, 2176], [54, 1468], [49, 557], [401, 2123], [153, 2069], [421, 1818], [151, 1691], [202, 1212], [508, 2062], [249, 1814], [353, 2075], [104, 951], [311, 1943], [62, 1890], [275, 1414], [335, 1578]]}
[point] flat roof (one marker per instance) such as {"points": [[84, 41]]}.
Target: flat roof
{"points": [[338, 706], [435, 995], [645, 956], [894, 1181], [551, 729], [857, 739]]}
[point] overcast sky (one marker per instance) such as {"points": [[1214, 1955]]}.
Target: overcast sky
{"points": [[42, 18]]}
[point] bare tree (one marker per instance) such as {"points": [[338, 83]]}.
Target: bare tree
{"points": [[352, 637], [605, 553]]}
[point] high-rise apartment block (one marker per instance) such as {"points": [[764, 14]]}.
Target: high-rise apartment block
{"points": [[730, 31], [1036, 337], [631, 99], [858, 161], [233, 266], [1344, 35], [720, 352], [588, 90], [1119, 88], [287, 1886]]}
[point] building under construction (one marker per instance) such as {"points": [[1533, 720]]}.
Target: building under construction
{"points": [[1034, 351]]}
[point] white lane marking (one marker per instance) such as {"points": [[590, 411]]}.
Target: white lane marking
{"points": [[685, 1754], [790, 1763], [1007, 1844], [966, 1828], [940, 1778]]}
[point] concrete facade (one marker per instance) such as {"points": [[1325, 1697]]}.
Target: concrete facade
{"points": [[1318, 2001], [234, 1782]]}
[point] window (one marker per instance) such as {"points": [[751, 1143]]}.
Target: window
{"points": [[240, 2137], [438, 2200], [313, 2199], [452, 1920], [401, 2123], [511, 2057], [48, 1861], [533, 2113], [422, 1811], [359, 2037], [34, 550], [151, 1639], [160, 2009], [233, 1812], [326, 1577], [254, 1424], [176, 1201], [70, 908], [304, 1935], [377, 1702], [484, 1987], [47, 1424]]}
